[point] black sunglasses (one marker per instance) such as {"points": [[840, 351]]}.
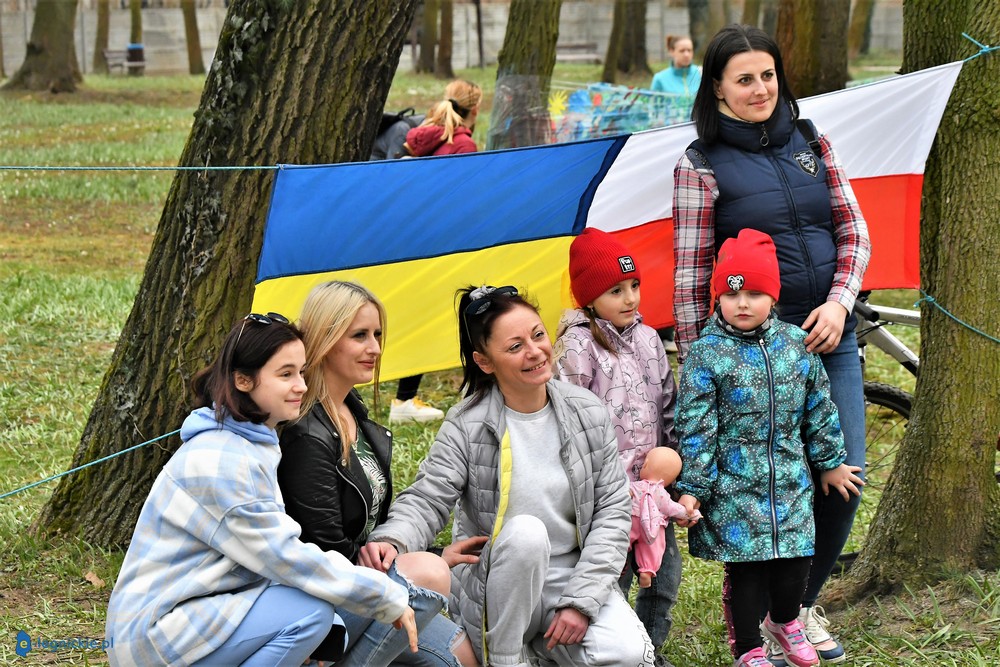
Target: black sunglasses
{"points": [[270, 318], [482, 298]]}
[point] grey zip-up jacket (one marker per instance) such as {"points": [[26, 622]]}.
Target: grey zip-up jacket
{"points": [[463, 467]]}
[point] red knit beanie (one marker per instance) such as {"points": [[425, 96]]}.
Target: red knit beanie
{"points": [[747, 262], [596, 262]]}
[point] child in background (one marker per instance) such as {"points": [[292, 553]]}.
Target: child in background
{"points": [[754, 414], [652, 510], [603, 346]]}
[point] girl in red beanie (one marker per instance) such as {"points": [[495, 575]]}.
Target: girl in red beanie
{"points": [[603, 346], [754, 414]]}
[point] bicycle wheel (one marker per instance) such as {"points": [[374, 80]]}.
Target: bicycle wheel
{"points": [[887, 413]]}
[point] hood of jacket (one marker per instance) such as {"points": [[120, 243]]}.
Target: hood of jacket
{"points": [[203, 419], [426, 139]]}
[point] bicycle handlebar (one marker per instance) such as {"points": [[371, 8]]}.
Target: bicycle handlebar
{"points": [[862, 309]]}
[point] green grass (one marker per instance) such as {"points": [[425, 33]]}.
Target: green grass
{"points": [[73, 248]]}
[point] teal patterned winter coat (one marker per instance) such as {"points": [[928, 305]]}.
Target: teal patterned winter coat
{"points": [[753, 414]]}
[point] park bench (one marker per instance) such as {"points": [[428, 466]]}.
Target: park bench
{"points": [[578, 52], [118, 58]]}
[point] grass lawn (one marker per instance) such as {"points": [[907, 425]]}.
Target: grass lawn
{"points": [[73, 246]]}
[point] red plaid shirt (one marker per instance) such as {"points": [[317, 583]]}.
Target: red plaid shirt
{"points": [[694, 242]]}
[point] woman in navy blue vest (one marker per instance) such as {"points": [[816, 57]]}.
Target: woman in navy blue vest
{"points": [[757, 165]]}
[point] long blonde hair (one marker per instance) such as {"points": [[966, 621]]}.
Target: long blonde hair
{"points": [[461, 97], [327, 313]]}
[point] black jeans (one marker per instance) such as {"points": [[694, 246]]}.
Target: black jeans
{"points": [[750, 585]]}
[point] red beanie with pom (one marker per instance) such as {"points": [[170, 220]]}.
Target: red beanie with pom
{"points": [[747, 262], [596, 262]]}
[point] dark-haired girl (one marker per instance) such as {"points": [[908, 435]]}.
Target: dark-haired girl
{"points": [[215, 573], [532, 464], [754, 166]]}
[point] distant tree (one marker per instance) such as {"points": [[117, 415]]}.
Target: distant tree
{"points": [[428, 36], [200, 273], [101, 37], [135, 21], [50, 57], [769, 17], [698, 25], [520, 114], [196, 65], [443, 69], [812, 35], [609, 73], [940, 512], [751, 13], [860, 30], [633, 57], [3, 72]]}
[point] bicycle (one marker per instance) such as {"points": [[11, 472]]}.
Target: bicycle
{"points": [[887, 410]]}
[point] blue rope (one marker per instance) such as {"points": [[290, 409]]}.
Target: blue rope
{"points": [[982, 48], [87, 465], [927, 298], [9, 167]]}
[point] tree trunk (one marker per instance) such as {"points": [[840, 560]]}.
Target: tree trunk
{"points": [[428, 37], [610, 71], [135, 16], [633, 58], [267, 99], [769, 17], [859, 32], [50, 58], [196, 65], [520, 115], [812, 35], [443, 70], [940, 512], [101, 37], [751, 13], [3, 71], [699, 26]]}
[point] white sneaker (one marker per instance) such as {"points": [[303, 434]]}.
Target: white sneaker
{"points": [[414, 410], [815, 622]]}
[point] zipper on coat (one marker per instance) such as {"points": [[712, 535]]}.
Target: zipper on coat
{"points": [[772, 481], [796, 224]]}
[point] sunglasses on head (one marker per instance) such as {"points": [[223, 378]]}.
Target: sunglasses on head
{"points": [[482, 298], [270, 318]]}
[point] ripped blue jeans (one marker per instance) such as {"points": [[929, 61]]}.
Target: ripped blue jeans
{"points": [[374, 644]]}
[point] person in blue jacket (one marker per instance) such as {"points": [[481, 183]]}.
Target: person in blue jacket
{"points": [[682, 77]]}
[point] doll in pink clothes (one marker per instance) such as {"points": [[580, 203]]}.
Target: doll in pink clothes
{"points": [[652, 510]]}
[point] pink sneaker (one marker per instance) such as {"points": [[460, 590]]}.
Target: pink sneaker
{"points": [[791, 639], [753, 658]]}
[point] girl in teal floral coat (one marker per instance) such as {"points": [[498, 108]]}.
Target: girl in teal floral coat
{"points": [[754, 414]]}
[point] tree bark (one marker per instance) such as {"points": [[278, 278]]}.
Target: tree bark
{"points": [[609, 73], [443, 69], [428, 37], [859, 32], [769, 17], [699, 26], [520, 114], [3, 71], [633, 58], [267, 99], [196, 65], [101, 36], [812, 35], [751, 13], [940, 512], [50, 59], [135, 22]]}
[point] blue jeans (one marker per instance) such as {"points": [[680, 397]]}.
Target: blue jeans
{"points": [[283, 627], [374, 644], [834, 516], [653, 604]]}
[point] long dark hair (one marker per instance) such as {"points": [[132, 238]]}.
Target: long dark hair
{"points": [[728, 42], [475, 329], [247, 348]]}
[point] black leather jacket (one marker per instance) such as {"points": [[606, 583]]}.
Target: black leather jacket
{"points": [[331, 501]]}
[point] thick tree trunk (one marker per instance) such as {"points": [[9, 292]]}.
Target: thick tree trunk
{"points": [[751, 13], [196, 65], [769, 17], [135, 21], [520, 114], [50, 59], [3, 71], [101, 38], [859, 32], [812, 35], [443, 69], [428, 36], [941, 509], [267, 99], [633, 58], [610, 71], [699, 26]]}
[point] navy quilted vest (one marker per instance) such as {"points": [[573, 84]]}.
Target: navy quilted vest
{"points": [[779, 189]]}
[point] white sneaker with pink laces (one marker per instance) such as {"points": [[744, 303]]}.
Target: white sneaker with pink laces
{"points": [[753, 658]]}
